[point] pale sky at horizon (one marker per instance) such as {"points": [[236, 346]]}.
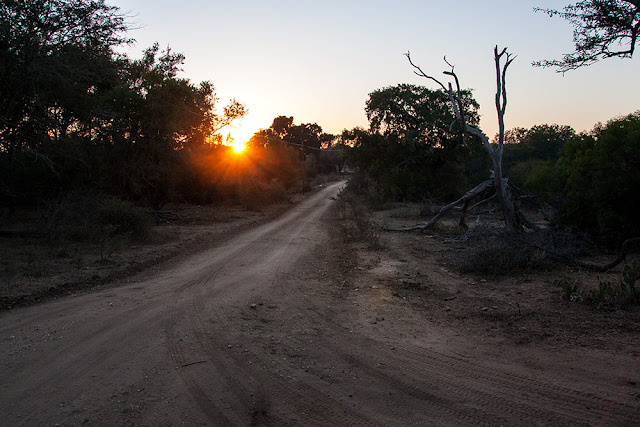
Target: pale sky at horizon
{"points": [[318, 61]]}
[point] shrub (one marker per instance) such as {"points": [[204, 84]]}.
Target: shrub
{"points": [[122, 217], [357, 220], [622, 294], [255, 195], [92, 218], [599, 173], [495, 253]]}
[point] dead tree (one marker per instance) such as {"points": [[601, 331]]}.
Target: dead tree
{"points": [[513, 220]]}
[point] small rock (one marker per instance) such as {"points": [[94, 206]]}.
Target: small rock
{"points": [[379, 318], [450, 298], [253, 306], [484, 309]]}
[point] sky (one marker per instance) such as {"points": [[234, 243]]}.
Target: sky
{"points": [[318, 60]]}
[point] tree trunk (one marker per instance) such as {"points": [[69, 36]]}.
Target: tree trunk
{"points": [[503, 195]]}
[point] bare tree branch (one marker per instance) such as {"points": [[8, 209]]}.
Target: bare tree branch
{"points": [[482, 187]]}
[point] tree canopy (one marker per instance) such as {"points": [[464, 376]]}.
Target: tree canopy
{"points": [[600, 172], [412, 144], [602, 29], [73, 113], [416, 114], [308, 136]]}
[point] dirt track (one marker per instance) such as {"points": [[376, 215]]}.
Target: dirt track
{"points": [[275, 327]]}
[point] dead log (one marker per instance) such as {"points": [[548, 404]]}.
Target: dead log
{"points": [[482, 187], [603, 268], [589, 266]]}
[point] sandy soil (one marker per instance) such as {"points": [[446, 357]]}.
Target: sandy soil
{"points": [[284, 323]]}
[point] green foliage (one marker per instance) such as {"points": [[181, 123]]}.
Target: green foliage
{"points": [[530, 155], [608, 295], [601, 177], [570, 289], [417, 114], [410, 152]]}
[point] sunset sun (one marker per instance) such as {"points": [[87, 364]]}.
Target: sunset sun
{"points": [[238, 134], [238, 146]]}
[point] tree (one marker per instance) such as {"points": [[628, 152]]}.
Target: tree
{"points": [[74, 114], [540, 142], [412, 149], [530, 156], [416, 114], [602, 29], [600, 172], [308, 136], [55, 58], [152, 123], [512, 218]]}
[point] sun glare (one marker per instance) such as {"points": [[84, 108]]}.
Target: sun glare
{"points": [[238, 146], [238, 134]]}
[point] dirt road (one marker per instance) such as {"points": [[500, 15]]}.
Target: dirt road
{"points": [[275, 327]]}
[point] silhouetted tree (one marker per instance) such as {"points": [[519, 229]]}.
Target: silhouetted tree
{"points": [[73, 113], [412, 149], [500, 184], [602, 29], [416, 114], [55, 59]]}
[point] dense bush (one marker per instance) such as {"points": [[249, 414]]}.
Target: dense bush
{"points": [[495, 252], [600, 173], [410, 151], [86, 217]]}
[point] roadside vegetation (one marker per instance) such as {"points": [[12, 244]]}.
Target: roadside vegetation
{"points": [[98, 149], [579, 190]]}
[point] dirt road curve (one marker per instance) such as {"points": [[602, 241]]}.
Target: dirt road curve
{"points": [[267, 329]]}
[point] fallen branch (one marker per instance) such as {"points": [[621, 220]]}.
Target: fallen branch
{"points": [[612, 264], [482, 187], [594, 267]]}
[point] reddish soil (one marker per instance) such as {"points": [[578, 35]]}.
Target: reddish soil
{"points": [[285, 323]]}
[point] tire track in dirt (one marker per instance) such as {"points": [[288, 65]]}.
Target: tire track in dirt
{"points": [[303, 355], [73, 361], [208, 307], [494, 390]]}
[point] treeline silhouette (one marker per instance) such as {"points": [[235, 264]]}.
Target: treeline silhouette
{"points": [[590, 180], [79, 120]]}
